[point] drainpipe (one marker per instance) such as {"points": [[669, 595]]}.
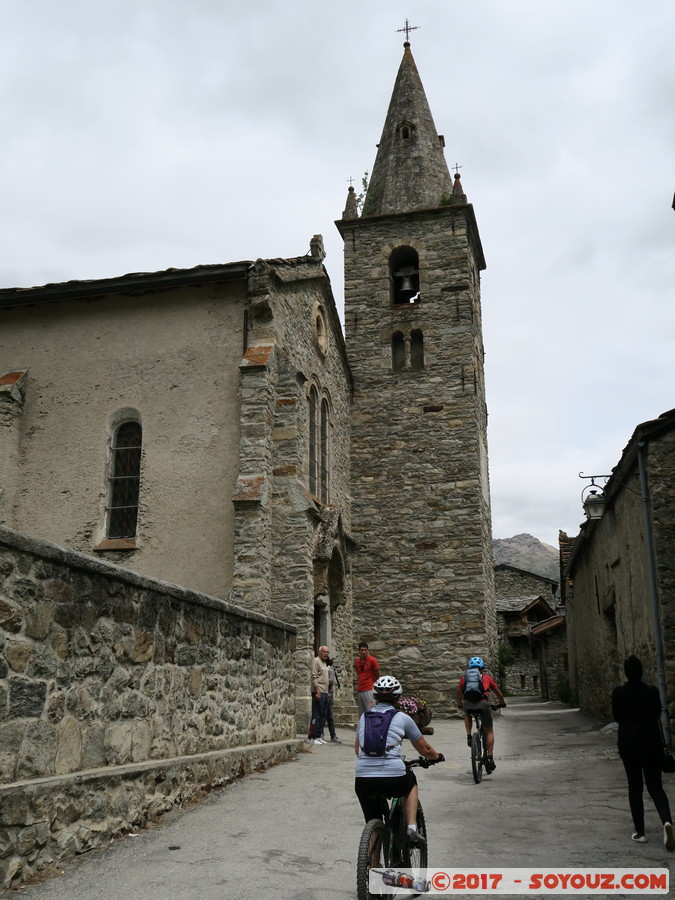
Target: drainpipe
{"points": [[654, 597]]}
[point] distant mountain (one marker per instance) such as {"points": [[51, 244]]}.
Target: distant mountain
{"points": [[526, 552]]}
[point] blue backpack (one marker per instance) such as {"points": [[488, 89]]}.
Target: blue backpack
{"points": [[474, 691], [375, 729]]}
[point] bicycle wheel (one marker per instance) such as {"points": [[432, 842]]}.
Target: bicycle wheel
{"points": [[373, 853], [414, 856], [476, 757]]}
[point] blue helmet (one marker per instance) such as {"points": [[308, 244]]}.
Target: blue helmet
{"points": [[476, 663]]}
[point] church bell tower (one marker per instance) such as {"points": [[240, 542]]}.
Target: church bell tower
{"points": [[423, 571]]}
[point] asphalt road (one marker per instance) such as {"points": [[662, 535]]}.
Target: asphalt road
{"points": [[557, 799]]}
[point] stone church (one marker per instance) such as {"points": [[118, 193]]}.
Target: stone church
{"points": [[213, 428]]}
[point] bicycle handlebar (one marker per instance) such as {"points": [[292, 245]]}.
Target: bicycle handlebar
{"points": [[423, 762]]}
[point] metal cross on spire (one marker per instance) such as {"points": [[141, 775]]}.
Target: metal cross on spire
{"points": [[457, 167], [407, 28]]}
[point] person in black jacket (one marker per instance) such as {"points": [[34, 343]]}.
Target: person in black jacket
{"points": [[636, 706]]}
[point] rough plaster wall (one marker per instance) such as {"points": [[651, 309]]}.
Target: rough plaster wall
{"points": [[173, 357], [423, 576]]}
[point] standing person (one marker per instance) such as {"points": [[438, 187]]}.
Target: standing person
{"points": [[367, 670], [387, 776], [636, 706], [319, 687], [333, 683], [476, 697]]}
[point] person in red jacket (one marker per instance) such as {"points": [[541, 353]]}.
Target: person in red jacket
{"points": [[483, 704], [367, 670]]}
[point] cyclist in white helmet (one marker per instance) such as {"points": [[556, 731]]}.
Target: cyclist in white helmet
{"points": [[386, 776]]}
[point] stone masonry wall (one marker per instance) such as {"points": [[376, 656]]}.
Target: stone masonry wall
{"points": [[519, 585], [661, 462], [608, 608], [121, 696], [286, 540], [423, 572]]}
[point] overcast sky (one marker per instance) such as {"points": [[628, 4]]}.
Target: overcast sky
{"points": [[144, 134]]}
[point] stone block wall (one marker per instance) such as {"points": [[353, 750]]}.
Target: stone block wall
{"points": [[291, 549], [608, 606], [661, 460], [120, 696], [423, 580], [523, 676]]}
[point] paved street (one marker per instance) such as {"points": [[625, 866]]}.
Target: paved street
{"points": [[558, 798]]}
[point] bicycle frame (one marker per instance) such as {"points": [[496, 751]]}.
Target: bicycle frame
{"points": [[384, 841], [478, 744]]}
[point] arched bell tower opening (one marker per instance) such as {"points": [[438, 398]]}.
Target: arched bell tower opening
{"points": [[404, 276]]}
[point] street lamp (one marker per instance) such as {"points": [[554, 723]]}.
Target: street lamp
{"points": [[593, 497]]}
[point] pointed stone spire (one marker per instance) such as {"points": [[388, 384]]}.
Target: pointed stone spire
{"points": [[458, 195], [410, 170], [351, 210]]}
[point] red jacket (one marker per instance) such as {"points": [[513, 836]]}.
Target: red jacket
{"points": [[366, 671]]}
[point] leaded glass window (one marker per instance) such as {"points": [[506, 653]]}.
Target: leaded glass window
{"points": [[125, 480]]}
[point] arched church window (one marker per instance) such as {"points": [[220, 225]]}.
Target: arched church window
{"points": [[319, 445], [313, 441], [404, 276], [124, 480], [416, 349], [325, 451], [397, 351]]}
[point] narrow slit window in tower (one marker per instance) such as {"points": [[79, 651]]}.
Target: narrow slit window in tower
{"points": [[416, 349], [397, 352]]}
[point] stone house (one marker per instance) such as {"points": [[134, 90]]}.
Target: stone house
{"points": [[189, 426], [530, 622], [619, 575]]}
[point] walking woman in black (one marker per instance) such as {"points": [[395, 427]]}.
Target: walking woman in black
{"points": [[637, 707]]}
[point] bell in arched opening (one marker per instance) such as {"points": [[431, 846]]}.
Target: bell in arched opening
{"points": [[404, 276]]}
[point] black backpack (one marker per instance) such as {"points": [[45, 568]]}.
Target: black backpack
{"points": [[375, 729], [474, 691]]}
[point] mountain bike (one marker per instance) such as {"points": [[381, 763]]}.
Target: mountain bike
{"points": [[384, 842], [478, 745]]}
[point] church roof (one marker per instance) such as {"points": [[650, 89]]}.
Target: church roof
{"points": [[410, 171], [300, 268], [133, 281]]}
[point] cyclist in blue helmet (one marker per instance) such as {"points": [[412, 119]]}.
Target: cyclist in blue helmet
{"points": [[472, 693]]}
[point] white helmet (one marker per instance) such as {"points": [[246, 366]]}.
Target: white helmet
{"points": [[388, 686]]}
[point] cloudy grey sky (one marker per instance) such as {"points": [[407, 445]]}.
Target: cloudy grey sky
{"points": [[153, 133]]}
